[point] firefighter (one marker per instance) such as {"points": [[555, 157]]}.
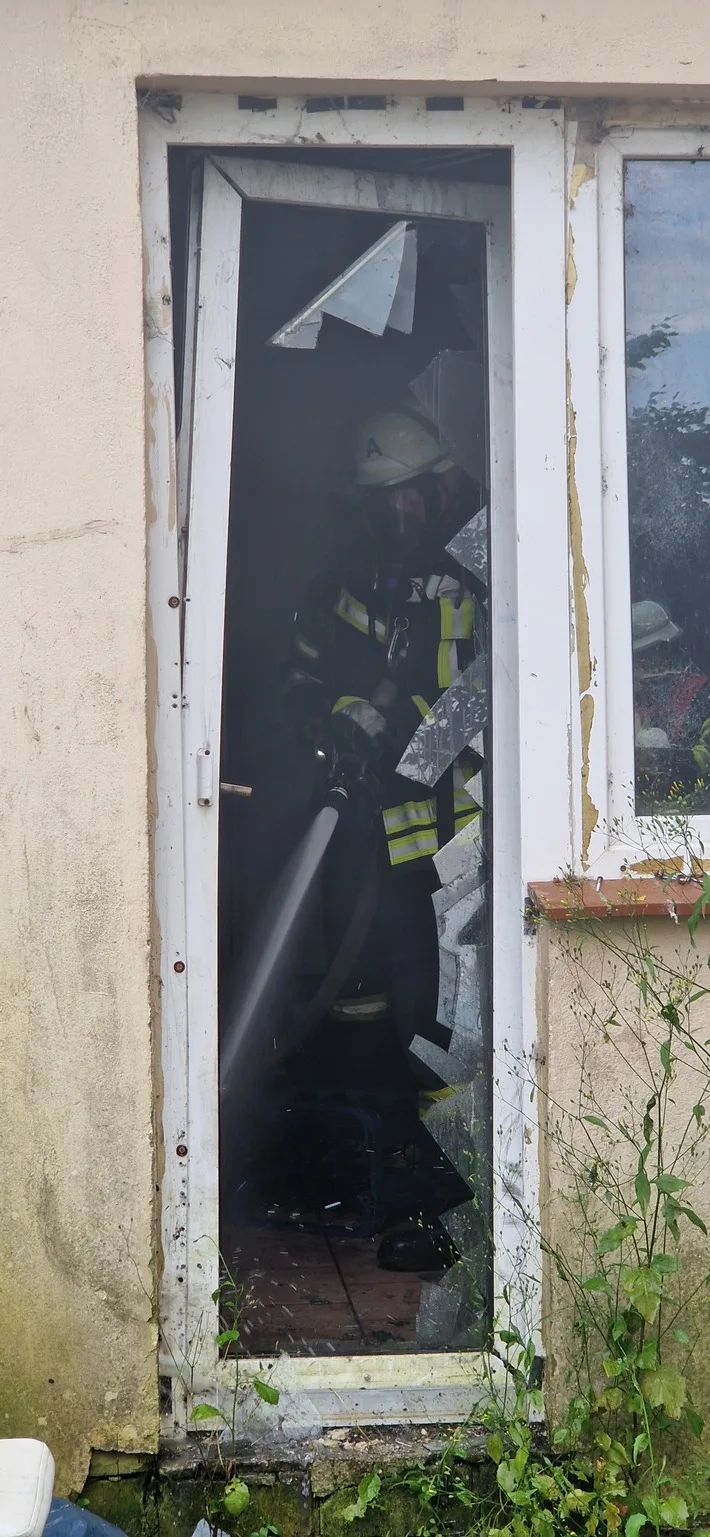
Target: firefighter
{"points": [[374, 646], [672, 696], [671, 704]]}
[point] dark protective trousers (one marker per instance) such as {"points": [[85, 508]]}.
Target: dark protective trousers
{"points": [[400, 956]]}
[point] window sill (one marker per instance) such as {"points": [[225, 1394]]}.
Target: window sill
{"points": [[646, 897]]}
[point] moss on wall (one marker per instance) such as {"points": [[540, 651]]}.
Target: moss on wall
{"points": [[151, 1507], [304, 1500]]}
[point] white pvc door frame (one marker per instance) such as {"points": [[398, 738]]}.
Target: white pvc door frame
{"points": [[597, 369], [531, 681]]}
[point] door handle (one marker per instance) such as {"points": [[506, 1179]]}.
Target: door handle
{"points": [[204, 775]]}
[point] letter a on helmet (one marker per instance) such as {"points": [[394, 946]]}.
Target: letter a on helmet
{"points": [[393, 447]]}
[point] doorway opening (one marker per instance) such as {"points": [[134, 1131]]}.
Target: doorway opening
{"points": [[355, 1024]]}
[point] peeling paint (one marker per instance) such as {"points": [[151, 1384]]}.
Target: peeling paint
{"points": [[580, 174], [571, 275], [580, 579], [658, 866], [667, 866]]}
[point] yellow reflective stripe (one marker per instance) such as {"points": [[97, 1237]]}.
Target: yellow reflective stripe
{"points": [[411, 814], [413, 846], [462, 818], [456, 623], [428, 1097], [421, 704], [447, 663], [355, 613], [346, 699]]}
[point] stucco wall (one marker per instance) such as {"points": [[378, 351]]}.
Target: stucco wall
{"points": [[78, 1323], [584, 978]]}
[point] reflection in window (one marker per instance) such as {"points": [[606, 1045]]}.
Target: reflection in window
{"points": [[667, 250]]}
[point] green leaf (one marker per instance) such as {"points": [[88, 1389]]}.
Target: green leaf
{"points": [[520, 1460], [205, 1412], [696, 1422], [687, 1211], [495, 1447], [615, 1236], [235, 1498], [669, 1184], [670, 1217], [506, 1477], [643, 1288], [650, 1505], [664, 1264], [648, 1359], [643, 1189], [682, 1336], [227, 1337], [595, 1120], [665, 1056], [698, 1112], [369, 1488], [634, 1524], [641, 1444], [596, 1283], [673, 1511], [664, 1388], [264, 1389], [354, 1512], [648, 1119]]}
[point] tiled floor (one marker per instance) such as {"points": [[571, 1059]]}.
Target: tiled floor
{"points": [[307, 1294]]}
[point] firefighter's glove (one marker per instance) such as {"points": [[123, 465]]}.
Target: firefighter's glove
{"points": [[306, 705], [359, 728]]}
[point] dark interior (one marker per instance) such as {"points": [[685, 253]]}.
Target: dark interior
{"points": [[299, 1217]]}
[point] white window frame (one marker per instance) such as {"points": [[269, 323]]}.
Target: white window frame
{"points": [[533, 722], [597, 375]]}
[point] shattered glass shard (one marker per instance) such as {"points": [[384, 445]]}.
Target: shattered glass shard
{"points": [[374, 292], [451, 391], [467, 1225], [452, 1313], [450, 1069], [464, 852], [470, 545], [459, 1122], [468, 297], [448, 728]]}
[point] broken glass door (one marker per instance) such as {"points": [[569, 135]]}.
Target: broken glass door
{"points": [[349, 1124]]}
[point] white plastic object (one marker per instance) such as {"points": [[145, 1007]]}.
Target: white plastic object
{"points": [[26, 1487], [204, 776]]}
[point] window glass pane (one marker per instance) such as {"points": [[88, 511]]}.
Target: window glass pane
{"points": [[667, 250]]}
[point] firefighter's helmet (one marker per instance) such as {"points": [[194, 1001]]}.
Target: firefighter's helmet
{"points": [[651, 625], [395, 446]]}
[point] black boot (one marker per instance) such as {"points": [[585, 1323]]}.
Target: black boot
{"points": [[422, 1246]]}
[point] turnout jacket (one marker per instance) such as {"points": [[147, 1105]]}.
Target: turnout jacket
{"points": [[351, 636]]}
